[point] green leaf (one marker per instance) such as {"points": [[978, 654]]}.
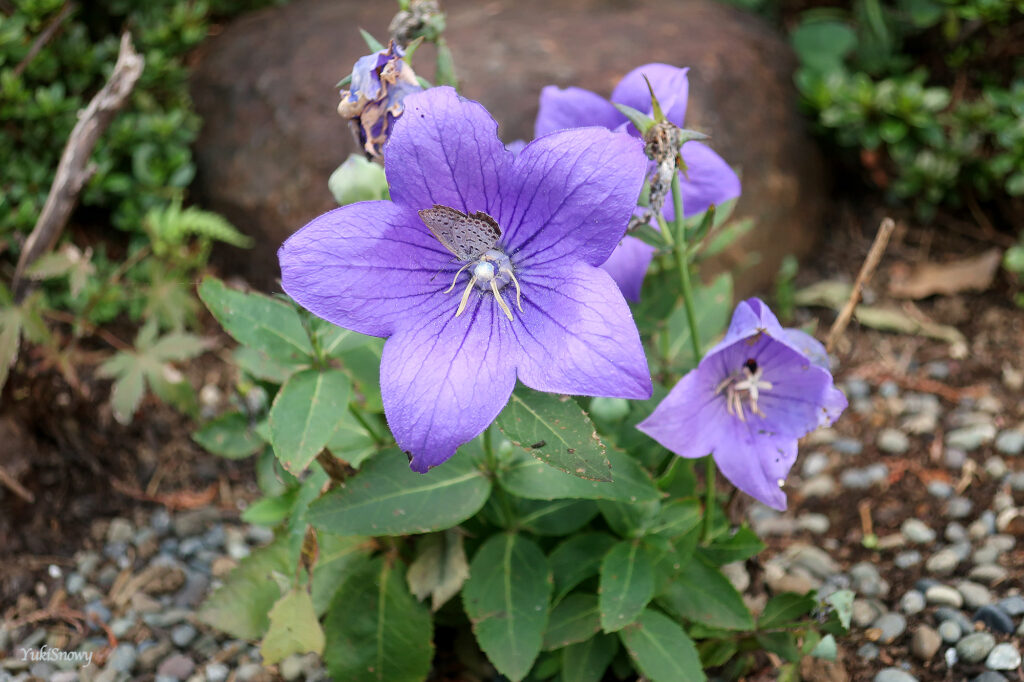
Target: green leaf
{"points": [[556, 431], [575, 619], [270, 511], [629, 520], [176, 346], [258, 364], [351, 441], [716, 652], [842, 602], [823, 45], [264, 323], [371, 42], [357, 179], [742, 545], [240, 607], [444, 73], [578, 558], [10, 339], [340, 556], [661, 649], [712, 307], [785, 608], [826, 648], [507, 598], [627, 584], [387, 498], [294, 628], [129, 384], [305, 415], [677, 518], [557, 517], [701, 593], [587, 661], [376, 631], [642, 121], [439, 569], [229, 435], [530, 478], [781, 643]]}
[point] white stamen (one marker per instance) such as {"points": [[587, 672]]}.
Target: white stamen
{"points": [[751, 383]]}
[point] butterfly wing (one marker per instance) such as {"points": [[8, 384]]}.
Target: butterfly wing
{"points": [[467, 236]]}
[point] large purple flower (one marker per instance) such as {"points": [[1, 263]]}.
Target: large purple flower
{"points": [[531, 303], [748, 402], [708, 179]]}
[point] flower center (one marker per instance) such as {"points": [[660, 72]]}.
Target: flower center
{"points": [[746, 382], [490, 272]]}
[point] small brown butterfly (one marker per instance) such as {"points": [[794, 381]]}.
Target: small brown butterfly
{"points": [[468, 237]]}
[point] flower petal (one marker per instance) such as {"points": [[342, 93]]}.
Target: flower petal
{"points": [[444, 379], [577, 335], [708, 179], [689, 419], [757, 464], [365, 266], [445, 150], [628, 264], [670, 86], [571, 195], [561, 109], [750, 318]]}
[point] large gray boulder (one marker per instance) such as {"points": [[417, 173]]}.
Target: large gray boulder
{"points": [[265, 89]]}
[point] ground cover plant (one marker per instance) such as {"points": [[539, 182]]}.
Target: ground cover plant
{"points": [[460, 424]]}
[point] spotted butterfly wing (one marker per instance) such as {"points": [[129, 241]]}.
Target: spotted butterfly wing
{"points": [[467, 236]]}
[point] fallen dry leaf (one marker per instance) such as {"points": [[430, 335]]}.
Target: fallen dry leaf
{"points": [[970, 274]]}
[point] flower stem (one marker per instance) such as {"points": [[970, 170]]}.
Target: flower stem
{"points": [[680, 249]]}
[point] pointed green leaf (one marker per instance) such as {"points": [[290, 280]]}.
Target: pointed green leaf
{"points": [[376, 631], [305, 415], [642, 121], [701, 593], [340, 556], [557, 517], [351, 441], [739, 546], [10, 339], [677, 518], [294, 628], [588, 661], [556, 431], [177, 346], [781, 643], [256, 320], [578, 558], [371, 42], [440, 568], [530, 478], [575, 619], [785, 608], [507, 598], [270, 511], [229, 435], [387, 498], [661, 649], [129, 384], [627, 584], [240, 607]]}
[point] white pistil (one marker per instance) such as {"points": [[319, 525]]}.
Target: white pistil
{"points": [[751, 383]]}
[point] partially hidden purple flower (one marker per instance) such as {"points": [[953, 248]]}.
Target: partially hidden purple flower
{"points": [[748, 402], [708, 178], [509, 286], [380, 83]]}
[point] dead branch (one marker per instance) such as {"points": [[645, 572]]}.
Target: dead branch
{"points": [[15, 487], [866, 271], [74, 169]]}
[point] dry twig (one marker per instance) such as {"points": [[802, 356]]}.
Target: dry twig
{"points": [[866, 271], [74, 169], [15, 487], [43, 38]]}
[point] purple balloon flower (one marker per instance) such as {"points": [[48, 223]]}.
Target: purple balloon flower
{"points": [[708, 179], [531, 303], [748, 402]]}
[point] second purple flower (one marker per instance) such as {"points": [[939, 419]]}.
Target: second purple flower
{"points": [[483, 268]]}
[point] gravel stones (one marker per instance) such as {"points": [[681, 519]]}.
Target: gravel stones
{"points": [[892, 626], [176, 666], [917, 531], [943, 562], [893, 441], [943, 595], [1010, 442], [925, 642], [894, 675], [950, 631], [994, 618], [975, 647], [912, 602], [971, 437], [1012, 605], [1003, 657], [975, 595]]}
